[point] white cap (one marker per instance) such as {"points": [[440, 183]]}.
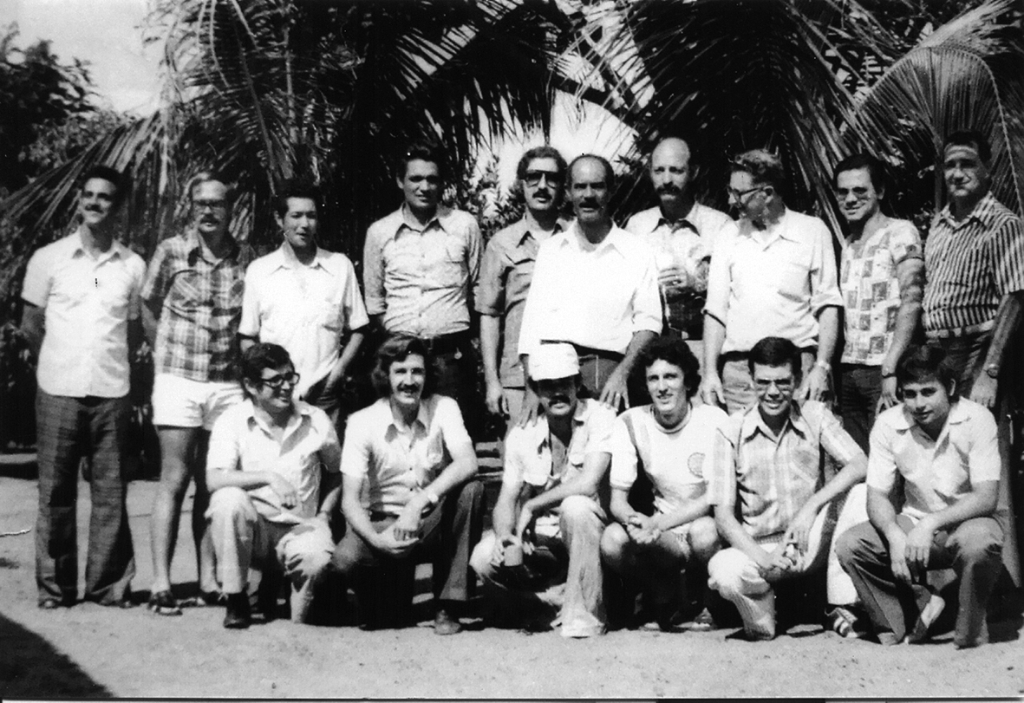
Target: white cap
{"points": [[550, 361]]}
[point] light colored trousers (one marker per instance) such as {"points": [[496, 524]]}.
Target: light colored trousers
{"points": [[243, 538], [581, 522], [737, 578]]}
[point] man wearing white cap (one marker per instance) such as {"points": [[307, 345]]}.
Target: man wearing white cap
{"points": [[547, 514]]}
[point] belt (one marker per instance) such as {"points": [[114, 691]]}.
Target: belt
{"points": [[447, 343], [968, 331]]}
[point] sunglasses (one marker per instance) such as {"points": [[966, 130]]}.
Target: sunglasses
{"points": [[275, 382], [533, 178]]}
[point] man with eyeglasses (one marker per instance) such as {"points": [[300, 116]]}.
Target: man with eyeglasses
{"points": [[506, 274], [192, 306], [882, 279], [773, 502], [273, 474], [420, 272], [306, 299], [683, 233], [595, 286], [775, 275]]}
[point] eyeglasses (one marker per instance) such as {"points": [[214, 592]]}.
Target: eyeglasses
{"points": [[740, 194], [275, 382], [533, 178], [212, 204], [784, 384]]}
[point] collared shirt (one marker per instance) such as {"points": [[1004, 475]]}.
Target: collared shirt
{"points": [[871, 290], [683, 253], [240, 441], [505, 277], [87, 303], [397, 464], [528, 455], [421, 279], [770, 478], [675, 460], [200, 303], [936, 472], [596, 297], [305, 309], [773, 283], [970, 265]]}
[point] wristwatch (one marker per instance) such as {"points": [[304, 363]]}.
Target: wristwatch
{"points": [[992, 370], [824, 366]]}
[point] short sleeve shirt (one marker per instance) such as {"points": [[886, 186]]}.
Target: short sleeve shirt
{"points": [[87, 303], [770, 478], [396, 464], [305, 309], [199, 299], [936, 473], [675, 460], [871, 290], [242, 442]]}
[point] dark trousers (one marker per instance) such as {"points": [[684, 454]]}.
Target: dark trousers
{"points": [[68, 430], [859, 391], [449, 532], [973, 550]]}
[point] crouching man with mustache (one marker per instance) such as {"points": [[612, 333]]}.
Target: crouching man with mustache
{"points": [[547, 521], [411, 455]]}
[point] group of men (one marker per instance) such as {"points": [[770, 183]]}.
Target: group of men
{"points": [[681, 316]]}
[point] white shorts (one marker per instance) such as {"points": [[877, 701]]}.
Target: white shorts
{"points": [[182, 402]]}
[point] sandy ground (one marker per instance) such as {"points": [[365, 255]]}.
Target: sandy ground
{"points": [[93, 651]]}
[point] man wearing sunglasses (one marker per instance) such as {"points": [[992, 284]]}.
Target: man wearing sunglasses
{"points": [[683, 233], [268, 508], [506, 274], [770, 495], [775, 276]]}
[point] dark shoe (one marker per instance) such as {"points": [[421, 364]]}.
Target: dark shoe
{"points": [[124, 603], [163, 603], [445, 624], [704, 622], [238, 616]]}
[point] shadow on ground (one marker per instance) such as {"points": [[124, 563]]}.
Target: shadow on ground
{"points": [[31, 668]]}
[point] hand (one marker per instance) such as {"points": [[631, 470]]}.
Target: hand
{"points": [[919, 546], [898, 557], [642, 529], [498, 552], [334, 378], [392, 544], [525, 521], [778, 563], [496, 403], [531, 408], [888, 397], [799, 531], [711, 390], [614, 392], [815, 385], [284, 490], [407, 526], [984, 390]]}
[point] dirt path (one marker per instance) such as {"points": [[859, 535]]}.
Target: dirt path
{"points": [[94, 651]]}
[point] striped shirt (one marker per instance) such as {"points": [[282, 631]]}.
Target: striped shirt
{"points": [[970, 266], [199, 302], [770, 478]]}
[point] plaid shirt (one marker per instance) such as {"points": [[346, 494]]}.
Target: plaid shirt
{"points": [[199, 303], [771, 478], [970, 266]]}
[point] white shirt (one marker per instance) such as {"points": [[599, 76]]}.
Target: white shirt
{"points": [[87, 303], [305, 309], [242, 442], [592, 296], [707, 222], [675, 460]]}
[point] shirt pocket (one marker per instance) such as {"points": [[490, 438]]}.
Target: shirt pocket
{"points": [[187, 294], [450, 259]]}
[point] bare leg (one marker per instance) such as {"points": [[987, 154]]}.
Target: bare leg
{"points": [[177, 448]]}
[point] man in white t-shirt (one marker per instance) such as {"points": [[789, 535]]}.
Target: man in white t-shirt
{"points": [[671, 441]]}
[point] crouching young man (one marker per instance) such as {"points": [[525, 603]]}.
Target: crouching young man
{"points": [[264, 472], [770, 494], [410, 453], [945, 450], [671, 441], [547, 517]]}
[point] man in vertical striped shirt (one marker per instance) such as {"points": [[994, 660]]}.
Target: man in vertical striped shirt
{"points": [[974, 265]]}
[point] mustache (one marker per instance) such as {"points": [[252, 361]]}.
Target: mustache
{"points": [[560, 399], [669, 188]]}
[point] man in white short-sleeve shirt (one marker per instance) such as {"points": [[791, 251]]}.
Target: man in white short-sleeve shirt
{"points": [[408, 491], [272, 470], [82, 320], [306, 299], [672, 442], [944, 451]]}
